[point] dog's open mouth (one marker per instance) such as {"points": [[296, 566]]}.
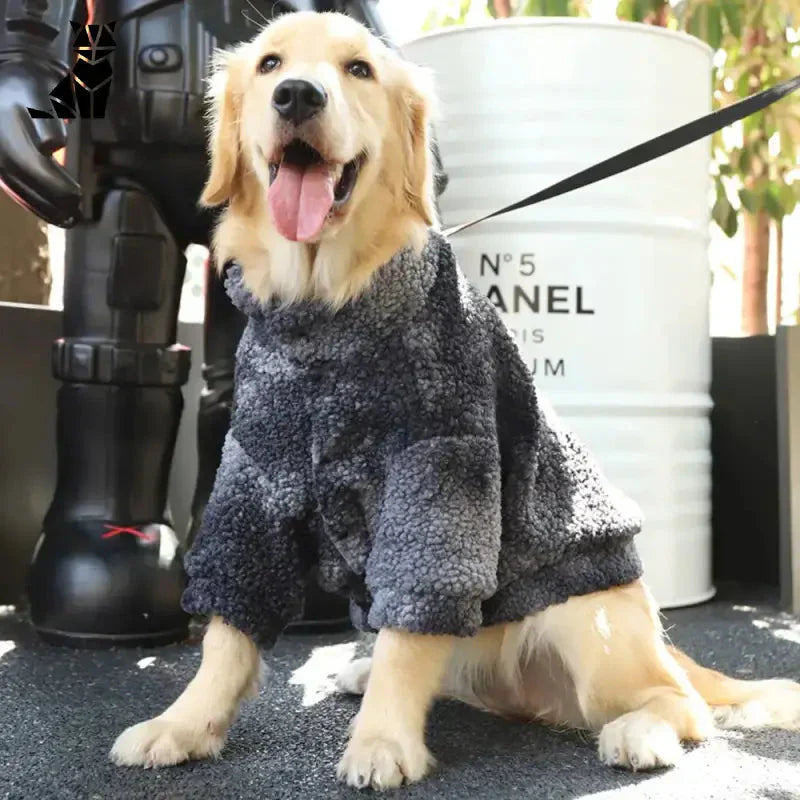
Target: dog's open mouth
{"points": [[305, 190]]}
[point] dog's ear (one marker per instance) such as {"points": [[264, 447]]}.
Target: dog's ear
{"points": [[224, 106], [416, 110]]}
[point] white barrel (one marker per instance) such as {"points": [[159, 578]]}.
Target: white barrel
{"points": [[607, 288]]}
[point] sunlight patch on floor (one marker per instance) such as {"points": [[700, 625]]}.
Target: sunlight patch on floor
{"points": [[789, 634], [318, 675], [757, 774], [781, 625]]}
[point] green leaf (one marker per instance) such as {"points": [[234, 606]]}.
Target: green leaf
{"points": [[772, 203], [750, 200], [455, 14], [743, 84], [788, 197], [741, 158], [730, 8], [714, 26], [644, 8], [625, 10], [706, 24], [724, 214], [637, 10], [545, 8], [753, 123], [557, 8]]}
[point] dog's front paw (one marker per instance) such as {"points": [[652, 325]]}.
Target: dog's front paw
{"points": [[163, 742], [639, 740], [383, 763]]}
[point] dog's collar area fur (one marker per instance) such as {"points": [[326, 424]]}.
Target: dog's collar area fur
{"points": [[396, 291]]}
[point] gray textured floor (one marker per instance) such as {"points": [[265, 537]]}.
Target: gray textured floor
{"points": [[60, 710]]}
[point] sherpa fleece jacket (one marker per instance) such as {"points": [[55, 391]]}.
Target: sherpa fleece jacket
{"points": [[398, 448]]}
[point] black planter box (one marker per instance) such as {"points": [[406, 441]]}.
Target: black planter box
{"points": [[755, 444]]}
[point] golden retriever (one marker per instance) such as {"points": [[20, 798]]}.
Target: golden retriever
{"points": [[598, 662]]}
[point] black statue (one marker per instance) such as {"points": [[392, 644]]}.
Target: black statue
{"points": [[108, 566]]}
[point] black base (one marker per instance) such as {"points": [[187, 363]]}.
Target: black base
{"points": [[89, 641], [97, 584], [322, 612], [744, 454], [336, 625]]}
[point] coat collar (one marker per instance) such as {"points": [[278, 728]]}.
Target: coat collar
{"points": [[397, 291]]}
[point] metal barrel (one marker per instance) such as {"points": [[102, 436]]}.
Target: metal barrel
{"points": [[606, 289]]}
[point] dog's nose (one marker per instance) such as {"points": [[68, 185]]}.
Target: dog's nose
{"points": [[298, 100]]}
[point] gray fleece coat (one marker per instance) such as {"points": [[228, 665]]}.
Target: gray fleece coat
{"points": [[398, 449]]}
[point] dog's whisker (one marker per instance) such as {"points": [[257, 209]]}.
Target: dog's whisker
{"points": [[259, 11], [254, 22]]}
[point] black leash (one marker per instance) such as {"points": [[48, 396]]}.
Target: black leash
{"points": [[647, 151]]}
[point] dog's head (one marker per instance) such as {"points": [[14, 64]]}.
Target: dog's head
{"points": [[319, 137]]}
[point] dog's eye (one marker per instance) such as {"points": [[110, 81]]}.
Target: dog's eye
{"points": [[269, 63], [359, 69]]}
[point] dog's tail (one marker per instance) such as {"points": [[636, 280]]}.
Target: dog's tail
{"points": [[744, 704]]}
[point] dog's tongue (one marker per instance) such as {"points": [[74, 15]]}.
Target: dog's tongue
{"points": [[300, 199]]}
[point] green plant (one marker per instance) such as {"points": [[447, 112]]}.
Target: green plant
{"points": [[756, 178], [757, 46], [443, 14], [455, 12]]}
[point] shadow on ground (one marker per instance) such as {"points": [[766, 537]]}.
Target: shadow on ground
{"points": [[61, 709]]}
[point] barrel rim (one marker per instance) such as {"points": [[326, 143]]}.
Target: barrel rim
{"points": [[543, 22]]}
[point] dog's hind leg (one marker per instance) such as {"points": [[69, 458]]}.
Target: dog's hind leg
{"points": [[773, 703], [627, 685], [387, 744], [195, 725], [354, 676]]}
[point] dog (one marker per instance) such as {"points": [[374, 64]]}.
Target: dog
{"points": [[316, 95]]}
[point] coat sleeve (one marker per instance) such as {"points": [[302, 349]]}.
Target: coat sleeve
{"points": [[434, 559], [246, 563]]}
